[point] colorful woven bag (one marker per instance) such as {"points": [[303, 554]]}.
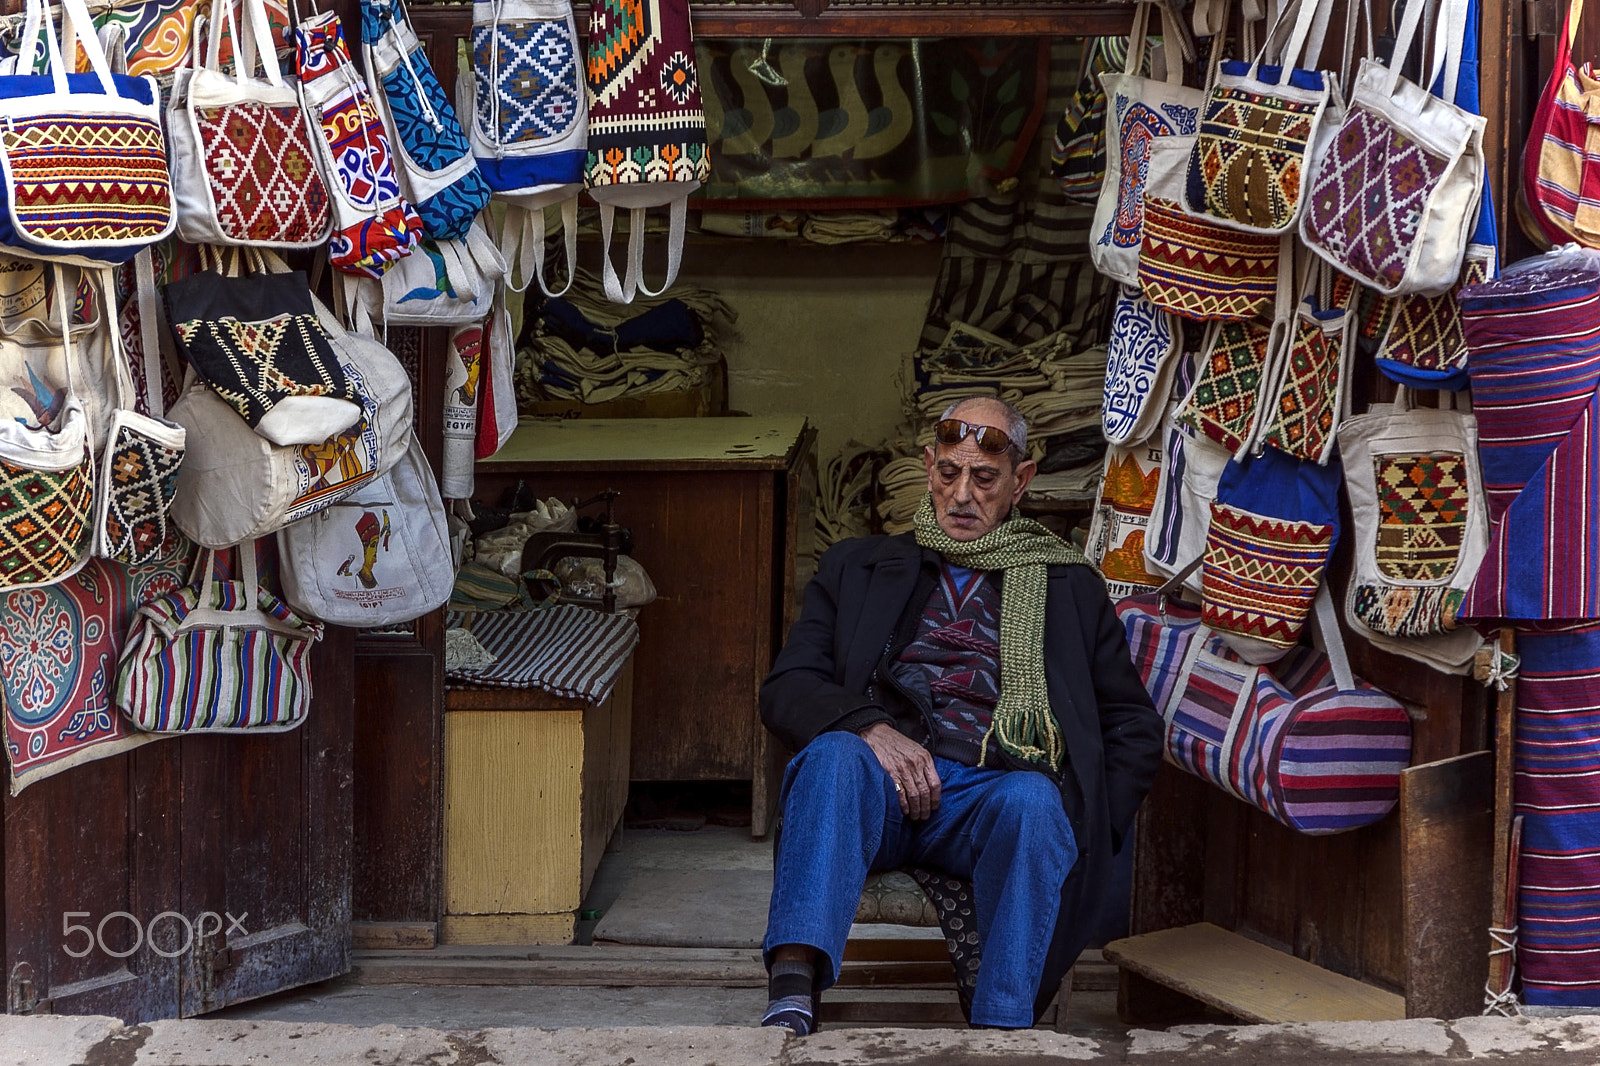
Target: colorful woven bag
{"points": [[1078, 151], [1305, 740], [243, 167], [1561, 159], [1394, 195], [1311, 391], [1247, 169], [1236, 362], [529, 129], [1191, 464], [1141, 355], [46, 498], [217, 657], [373, 225], [1190, 264], [438, 173], [647, 129], [1140, 112], [1273, 526], [1421, 528], [83, 156]]}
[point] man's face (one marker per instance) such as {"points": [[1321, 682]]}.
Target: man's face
{"points": [[974, 491]]}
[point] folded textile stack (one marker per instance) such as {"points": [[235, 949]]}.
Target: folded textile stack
{"points": [[1057, 390], [583, 347]]}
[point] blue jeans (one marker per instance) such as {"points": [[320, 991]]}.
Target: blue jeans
{"points": [[1002, 829]]}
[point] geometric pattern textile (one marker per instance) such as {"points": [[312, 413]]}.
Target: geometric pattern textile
{"points": [[1200, 270], [261, 174], [1406, 610], [1424, 332], [87, 178], [1301, 423], [1247, 164], [1261, 574], [140, 476], [955, 659], [1422, 515], [256, 365], [1222, 403], [1369, 197], [535, 85], [46, 526]]}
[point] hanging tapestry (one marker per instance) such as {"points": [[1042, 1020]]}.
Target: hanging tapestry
{"points": [[868, 124], [59, 647]]}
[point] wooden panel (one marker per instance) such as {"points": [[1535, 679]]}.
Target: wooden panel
{"points": [[1248, 980], [508, 928], [512, 817], [607, 730], [398, 782], [761, 443], [1169, 867], [393, 936], [1447, 835]]}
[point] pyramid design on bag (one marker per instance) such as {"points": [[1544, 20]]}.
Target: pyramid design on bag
{"points": [[1422, 514], [1303, 418], [1247, 162], [537, 84], [141, 478], [1222, 404], [1260, 574], [1199, 270], [1368, 199], [263, 180], [45, 521], [88, 179]]}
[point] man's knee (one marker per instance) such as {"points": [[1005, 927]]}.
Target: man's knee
{"points": [[1029, 804], [839, 757]]}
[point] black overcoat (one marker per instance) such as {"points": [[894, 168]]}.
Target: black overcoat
{"points": [[861, 607]]}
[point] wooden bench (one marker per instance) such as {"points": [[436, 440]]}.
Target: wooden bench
{"points": [[1250, 981]]}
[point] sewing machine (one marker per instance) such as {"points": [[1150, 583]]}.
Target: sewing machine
{"points": [[544, 550]]}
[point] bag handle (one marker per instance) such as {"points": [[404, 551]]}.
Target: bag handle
{"points": [[1449, 40], [152, 319], [79, 29], [1404, 39], [1310, 16], [523, 238]]}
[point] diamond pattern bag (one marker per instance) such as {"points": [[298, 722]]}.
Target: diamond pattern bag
{"points": [[1312, 389], [1247, 169], [1394, 196], [46, 498], [1140, 112], [241, 145]]}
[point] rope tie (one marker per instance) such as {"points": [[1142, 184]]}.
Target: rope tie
{"points": [[1503, 1003]]}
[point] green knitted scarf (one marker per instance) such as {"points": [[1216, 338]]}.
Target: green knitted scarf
{"points": [[1022, 548]]}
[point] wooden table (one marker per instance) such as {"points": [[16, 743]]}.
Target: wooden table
{"points": [[721, 512]]}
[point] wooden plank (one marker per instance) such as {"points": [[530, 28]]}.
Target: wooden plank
{"points": [[508, 928], [762, 443], [512, 842], [896, 1007], [1502, 891], [1248, 980], [393, 936], [1446, 862], [606, 732]]}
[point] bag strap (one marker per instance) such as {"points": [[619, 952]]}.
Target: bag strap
{"points": [[1332, 639], [1404, 38], [1310, 25], [522, 235], [151, 332], [1137, 38], [1449, 40], [677, 217]]}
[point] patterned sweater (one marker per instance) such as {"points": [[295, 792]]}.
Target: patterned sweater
{"points": [[953, 663]]}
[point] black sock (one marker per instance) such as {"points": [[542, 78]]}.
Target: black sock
{"points": [[789, 996]]}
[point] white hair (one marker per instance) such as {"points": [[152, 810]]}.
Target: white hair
{"points": [[1016, 426]]}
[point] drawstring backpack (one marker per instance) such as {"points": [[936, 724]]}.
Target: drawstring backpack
{"points": [[647, 130], [529, 124]]}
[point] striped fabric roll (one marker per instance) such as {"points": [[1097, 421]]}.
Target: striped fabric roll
{"points": [[1283, 738], [568, 651]]}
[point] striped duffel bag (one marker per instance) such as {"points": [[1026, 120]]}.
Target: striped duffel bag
{"points": [[1299, 738]]}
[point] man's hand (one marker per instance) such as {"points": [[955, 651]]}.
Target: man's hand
{"points": [[909, 764]]}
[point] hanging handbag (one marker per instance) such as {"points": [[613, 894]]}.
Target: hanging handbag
{"points": [[241, 145], [1141, 355], [235, 485], [1558, 161], [1190, 264], [373, 225], [1078, 150], [1395, 196], [1248, 166], [257, 341], [1141, 112], [437, 171], [1421, 527], [529, 129], [217, 657], [463, 384], [85, 163], [1304, 403], [1121, 519], [1303, 739], [647, 130], [46, 498], [1191, 466], [378, 557], [443, 283], [497, 387]]}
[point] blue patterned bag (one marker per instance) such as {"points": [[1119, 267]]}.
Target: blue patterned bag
{"points": [[440, 175]]}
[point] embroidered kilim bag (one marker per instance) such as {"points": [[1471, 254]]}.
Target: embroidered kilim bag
{"points": [[1248, 169], [1423, 346], [437, 170], [1304, 740], [530, 119], [46, 498], [1273, 526], [235, 485], [647, 130], [257, 341], [373, 225], [1189, 264], [1395, 198], [84, 159], [1142, 354], [1311, 389], [1140, 112], [1237, 361], [241, 145], [1421, 528], [217, 657]]}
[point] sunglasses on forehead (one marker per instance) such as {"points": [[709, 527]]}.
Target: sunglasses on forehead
{"points": [[988, 438]]}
